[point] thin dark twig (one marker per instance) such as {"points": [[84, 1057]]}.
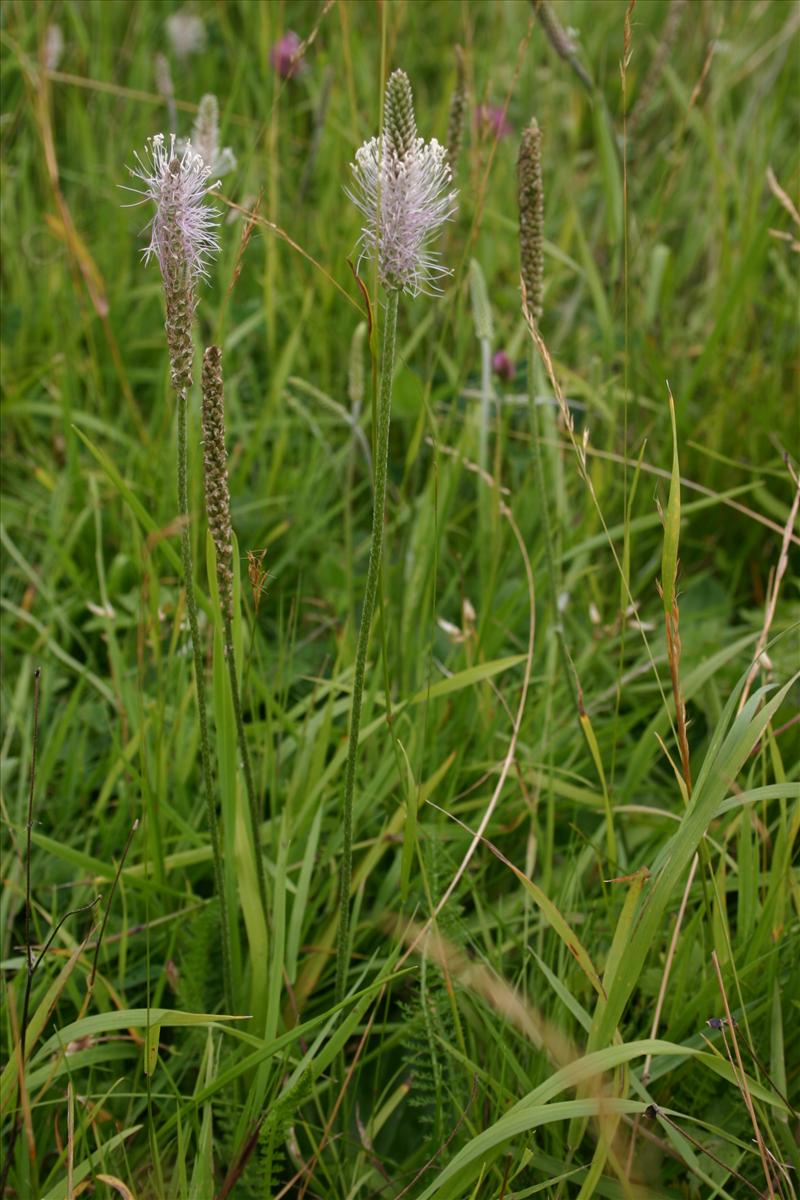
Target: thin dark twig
{"points": [[427, 1166], [653, 1111], [99, 941], [240, 1162], [73, 912], [37, 676], [719, 1023], [740, 1076], [745, 1043]]}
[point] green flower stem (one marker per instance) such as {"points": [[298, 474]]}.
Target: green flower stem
{"points": [[544, 508], [381, 457], [255, 816], [205, 751]]}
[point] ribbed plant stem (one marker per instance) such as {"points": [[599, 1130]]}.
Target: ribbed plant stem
{"points": [[255, 816], [200, 689], [373, 574], [544, 509]]}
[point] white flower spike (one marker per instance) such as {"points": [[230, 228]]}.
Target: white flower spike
{"points": [[183, 236], [401, 186], [184, 226]]}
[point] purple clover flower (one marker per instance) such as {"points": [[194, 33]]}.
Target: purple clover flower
{"points": [[493, 119], [405, 200], [502, 366], [285, 55]]}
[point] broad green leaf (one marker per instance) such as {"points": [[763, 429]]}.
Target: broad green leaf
{"points": [[130, 1018]]}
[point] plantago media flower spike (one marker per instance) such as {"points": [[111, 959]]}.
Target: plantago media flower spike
{"points": [[183, 236], [401, 186]]}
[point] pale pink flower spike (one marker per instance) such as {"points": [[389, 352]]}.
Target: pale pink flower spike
{"points": [[405, 200], [178, 185]]}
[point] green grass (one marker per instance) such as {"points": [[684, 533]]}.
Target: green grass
{"points": [[509, 1049]]}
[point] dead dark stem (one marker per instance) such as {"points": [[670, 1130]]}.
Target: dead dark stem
{"points": [[99, 941], [37, 675]]}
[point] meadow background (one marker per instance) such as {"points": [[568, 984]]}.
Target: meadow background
{"points": [[515, 1051]]}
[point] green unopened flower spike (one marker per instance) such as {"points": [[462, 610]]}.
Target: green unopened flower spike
{"points": [[531, 217], [399, 119]]}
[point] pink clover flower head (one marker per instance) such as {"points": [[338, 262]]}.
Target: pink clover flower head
{"points": [[285, 55], [493, 120], [183, 232], [401, 186], [503, 366]]}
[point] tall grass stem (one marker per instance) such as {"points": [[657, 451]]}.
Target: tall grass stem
{"points": [[541, 482], [381, 458], [200, 689], [249, 782]]}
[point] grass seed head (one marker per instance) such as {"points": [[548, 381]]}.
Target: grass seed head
{"points": [[531, 217], [218, 499]]}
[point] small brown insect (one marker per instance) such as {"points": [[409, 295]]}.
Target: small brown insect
{"points": [[257, 575]]}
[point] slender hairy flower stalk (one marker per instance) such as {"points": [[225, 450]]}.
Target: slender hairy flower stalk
{"points": [[400, 183], [218, 510], [458, 112], [531, 253], [182, 238]]}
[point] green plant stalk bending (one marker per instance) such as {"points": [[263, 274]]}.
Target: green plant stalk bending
{"points": [[381, 456], [205, 751]]}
